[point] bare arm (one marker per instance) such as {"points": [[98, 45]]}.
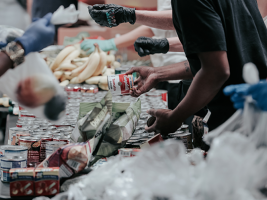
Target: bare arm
{"points": [[5, 63], [128, 39], [175, 71], [213, 74], [175, 45], [155, 19]]}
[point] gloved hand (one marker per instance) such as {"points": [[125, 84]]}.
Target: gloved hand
{"points": [[145, 46], [238, 94], [259, 94], [111, 15], [2, 44], [39, 35], [105, 45]]}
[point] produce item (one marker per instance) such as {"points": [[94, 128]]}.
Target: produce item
{"points": [[102, 63], [93, 63], [61, 56], [79, 70], [21, 182], [121, 84], [58, 74], [110, 60], [46, 181], [67, 65], [64, 83], [68, 75], [97, 79], [6, 102], [40, 88], [116, 65], [74, 80], [109, 72]]}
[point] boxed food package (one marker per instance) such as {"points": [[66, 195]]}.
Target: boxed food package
{"points": [[21, 182], [46, 181]]}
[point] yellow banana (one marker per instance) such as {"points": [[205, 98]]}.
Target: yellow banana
{"points": [[65, 83], [58, 74], [110, 60], [66, 66], [74, 80], [116, 65], [79, 70], [102, 63], [68, 75], [61, 56], [91, 67]]}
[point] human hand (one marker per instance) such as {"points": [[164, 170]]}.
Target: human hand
{"points": [[111, 15], [145, 46], [105, 45], [165, 122], [146, 81], [259, 94], [39, 35], [237, 94]]}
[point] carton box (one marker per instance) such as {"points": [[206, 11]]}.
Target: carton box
{"points": [[46, 181], [21, 182]]}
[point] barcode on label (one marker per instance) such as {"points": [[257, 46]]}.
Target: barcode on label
{"points": [[64, 172], [73, 164]]}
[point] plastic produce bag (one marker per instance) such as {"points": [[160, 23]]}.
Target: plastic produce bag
{"points": [[9, 34]]}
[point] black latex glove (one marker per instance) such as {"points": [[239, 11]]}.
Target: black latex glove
{"points": [[111, 15], [145, 46]]}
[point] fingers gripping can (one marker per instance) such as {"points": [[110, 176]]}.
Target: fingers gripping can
{"points": [[121, 84]]}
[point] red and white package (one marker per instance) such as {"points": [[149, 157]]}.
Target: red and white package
{"points": [[120, 84], [70, 159]]}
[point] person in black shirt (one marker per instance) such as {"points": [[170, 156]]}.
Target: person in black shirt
{"points": [[218, 36]]}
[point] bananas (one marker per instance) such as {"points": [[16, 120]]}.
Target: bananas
{"points": [[69, 67]]}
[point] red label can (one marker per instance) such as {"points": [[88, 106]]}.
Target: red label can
{"points": [[44, 140], [120, 84], [34, 146]]}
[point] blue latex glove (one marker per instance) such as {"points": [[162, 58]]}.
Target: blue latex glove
{"points": [[39, 35], [105, 45], [259, 94], [237, 93]]}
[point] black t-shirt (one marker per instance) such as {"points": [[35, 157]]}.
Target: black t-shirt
{"points": [[235, 26], [41, 7]]}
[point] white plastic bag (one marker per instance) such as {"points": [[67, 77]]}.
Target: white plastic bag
{"points": [[65, 16], [34, 66]]}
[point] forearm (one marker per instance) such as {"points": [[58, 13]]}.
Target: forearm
{"points": [[128, 39], [175, 71], [175, 45], [5, 63], [155, 19]]}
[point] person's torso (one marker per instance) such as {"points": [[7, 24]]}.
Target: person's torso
{"points": [[245, 34], [41, 7]]}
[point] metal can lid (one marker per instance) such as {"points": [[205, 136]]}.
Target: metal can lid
{"points": [[13, 148], [13, 158]]}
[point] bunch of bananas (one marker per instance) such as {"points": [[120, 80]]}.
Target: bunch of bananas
{"points": [[70, 67]]}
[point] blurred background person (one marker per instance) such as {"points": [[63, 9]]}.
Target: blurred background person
{"points": [[14, 13]]}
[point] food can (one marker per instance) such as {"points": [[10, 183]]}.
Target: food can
{"points": [[8, 163], [16, 137], [33, 144], [62, 139], [14, 130], [44, 141], [121, 84], [51, 147], [10, 151], [89, 89], [186, 139], [76, 88]]}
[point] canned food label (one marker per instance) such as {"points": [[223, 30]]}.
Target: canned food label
{"points": [[13, 164], [120, 84], [5, 176], [33, 150]]}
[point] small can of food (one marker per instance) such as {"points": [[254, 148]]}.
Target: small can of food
{"points": [[44, 141], [16, 137], [8, 163], [10, 151], [51, 147], [89, 89], [76, 88], [121, 84], [33, 144]]}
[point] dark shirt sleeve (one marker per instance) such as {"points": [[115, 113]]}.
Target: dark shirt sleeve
{"points": [[201, 28]]}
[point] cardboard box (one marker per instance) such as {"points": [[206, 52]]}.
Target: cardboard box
{"points": [[157, 138], [21, 182], [46, 181]]}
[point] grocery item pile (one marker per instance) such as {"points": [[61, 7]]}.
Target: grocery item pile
{"points": [[72, 66]]}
